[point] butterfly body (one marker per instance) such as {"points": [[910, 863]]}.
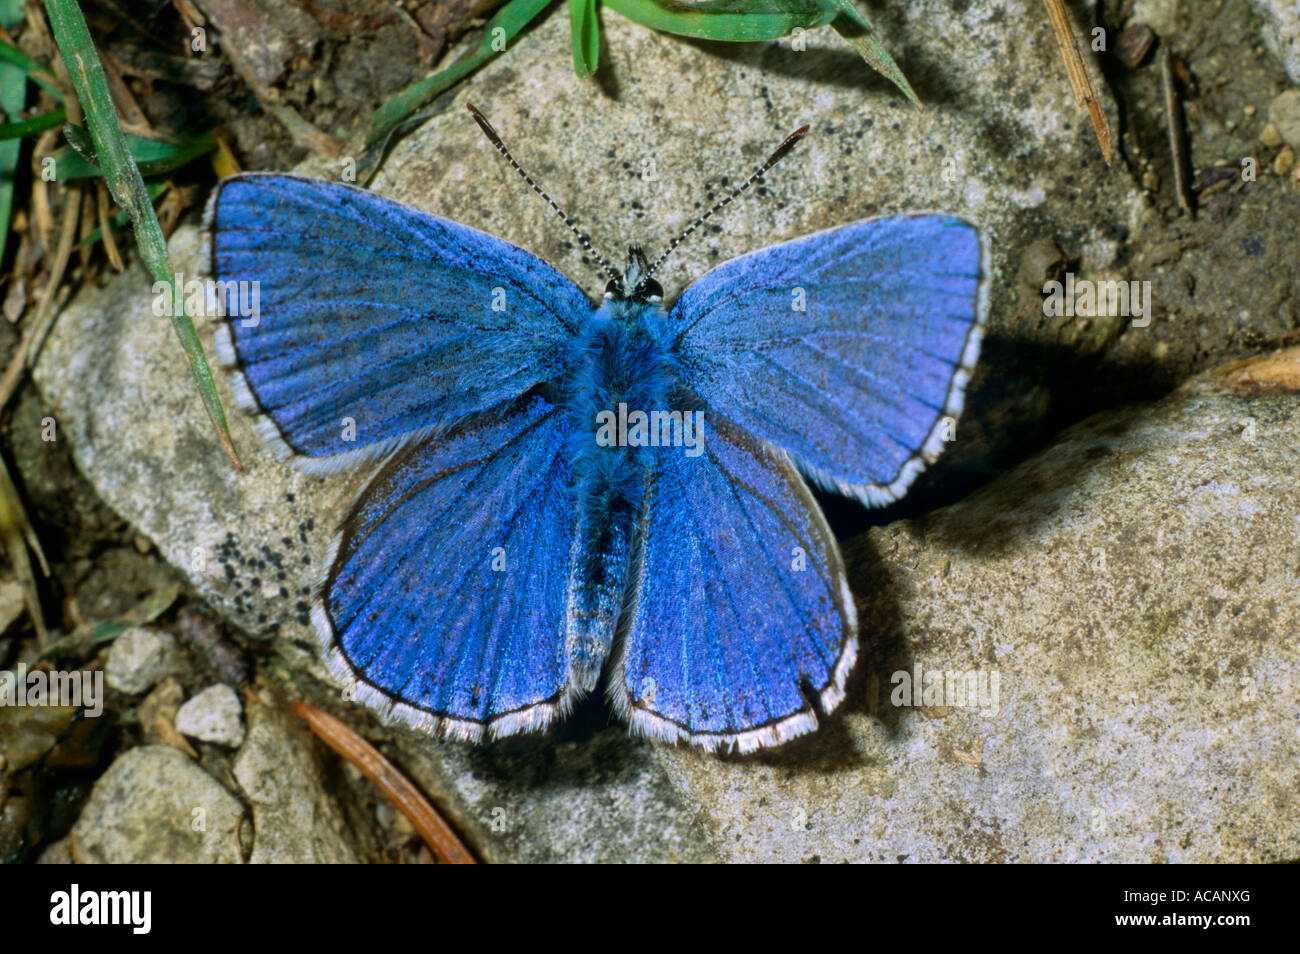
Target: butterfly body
{"points": [[567, 493], [620, 358]]}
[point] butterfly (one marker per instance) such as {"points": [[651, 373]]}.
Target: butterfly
{"points": [[567, 492]]}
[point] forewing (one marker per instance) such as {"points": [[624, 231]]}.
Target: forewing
{"points": [[741, 612], [374, 319], [849, 348], [444, 602]]}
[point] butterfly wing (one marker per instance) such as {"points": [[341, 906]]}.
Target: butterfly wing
{"points": [[848, 348], [741, 609], [445, 600], [374, 319]]}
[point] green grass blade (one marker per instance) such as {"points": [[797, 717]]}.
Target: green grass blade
{"points": [[857, 30], [740, 21], [585, 28], [13, 97], [33, 126], [509, 21], [152, 157], [126, 185], [734, 21], [35, 72]]}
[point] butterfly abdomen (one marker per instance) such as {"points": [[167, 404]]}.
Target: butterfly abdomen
{"points": [[618, 366]]}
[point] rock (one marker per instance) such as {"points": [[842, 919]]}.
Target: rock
{"points": [[1281, 33], [877, 782], [139, 659], [213, 715], [294, 818], [261, 39], [1284, 115], [1128, 587], [59, 853], [588, 794], [1284, 162], [155, 806]]}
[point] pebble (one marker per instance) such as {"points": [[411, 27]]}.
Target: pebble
{"points": [[140, 659], [213, 715], [1284, 114], [1285, 161], [155, 806]]}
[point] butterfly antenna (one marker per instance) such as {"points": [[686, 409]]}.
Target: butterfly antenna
{"points": [[731, 196], [495, 139]]}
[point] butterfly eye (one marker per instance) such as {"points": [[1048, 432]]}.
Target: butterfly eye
{"points": [[611, 289], [650, 289]]}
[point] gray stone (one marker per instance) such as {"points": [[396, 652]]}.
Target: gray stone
{"points": [[294, 818], [59, 853], [1281, 33], [1129, 588], [140, 658], [1122, 730], [1284, 114], [155, 806], [213, 715]]}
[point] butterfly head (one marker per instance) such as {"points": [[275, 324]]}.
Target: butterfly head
{"points": [[635, 283]]}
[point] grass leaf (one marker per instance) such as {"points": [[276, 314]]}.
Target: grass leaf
{"points": [[585, 27], [857, 30], [13, 97], [126, 185], [36, 124], [35, 72], [735, 21], [153, 158]]}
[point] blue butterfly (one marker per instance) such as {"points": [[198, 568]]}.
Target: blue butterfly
{"points": [[569, 491]]}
